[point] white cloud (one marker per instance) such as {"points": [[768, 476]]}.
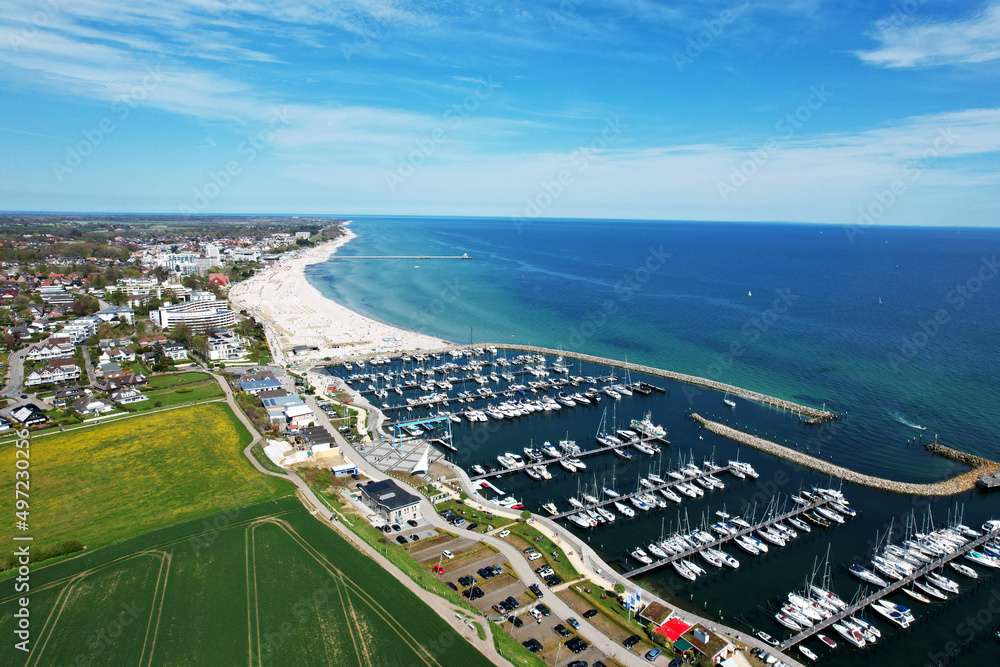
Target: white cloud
{"points": [[907, 43]]}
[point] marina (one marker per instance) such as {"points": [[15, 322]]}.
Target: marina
{"points": [[730, 536], [991, 533]]}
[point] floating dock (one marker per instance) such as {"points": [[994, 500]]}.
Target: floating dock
{"points": [[891, 588], [800, 509], [550, 460]]}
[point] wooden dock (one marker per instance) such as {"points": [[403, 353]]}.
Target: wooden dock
{"points": [[799, 509], [891, 588]]}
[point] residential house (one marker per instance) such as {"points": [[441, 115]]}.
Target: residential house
{"points": [[199, 316], [66, 396], [225, 347], [29, 414], [80, 329], [54, 348], [128, 395], [174, 351], [89, 405], [56, 372], [298, 416], [116, 314]]}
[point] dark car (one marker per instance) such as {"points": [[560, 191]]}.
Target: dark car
{"points": [[532, 645], [552, 580], [414, 537], [386, 529], [631, 641], [472, 526], [543, 609], [497, 570], [473, 593], [396, 527], [512, 602], [412, 523], [515, 621], [578, 663], [401, 539], [590, 613], [577, 645], [562, 631], [536, 590], [485, 572], [467, 580], [452, 586]]}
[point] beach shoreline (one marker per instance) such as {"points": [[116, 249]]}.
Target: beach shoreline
{"points": [[304, 325]]}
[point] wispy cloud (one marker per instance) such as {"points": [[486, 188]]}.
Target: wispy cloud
{"points": [[907, 42]]}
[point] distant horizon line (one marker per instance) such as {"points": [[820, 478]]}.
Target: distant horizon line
{"points": [[348, 217]]}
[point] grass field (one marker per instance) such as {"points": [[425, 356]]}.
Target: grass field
{"points": [[164, 391], [116, 480], [264, 585]]}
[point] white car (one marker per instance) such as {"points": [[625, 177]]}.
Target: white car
{"points": [[503, 533], [534, 555], [447, 554]]}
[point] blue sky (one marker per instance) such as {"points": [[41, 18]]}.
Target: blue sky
{"points": [[797, 110]]}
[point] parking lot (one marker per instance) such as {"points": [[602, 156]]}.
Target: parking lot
{"points": [[470, 569]]}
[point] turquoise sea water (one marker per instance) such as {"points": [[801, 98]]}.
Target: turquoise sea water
{"points": [[896, 328]]}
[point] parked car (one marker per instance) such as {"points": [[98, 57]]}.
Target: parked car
{"points": [[534, 555], [577, 645], [447, 554], [512, 602], [472, 526], [412, 523], [535, 614], [573, 622], [467, 580], [536, 590], [562, 630], [631, 641], [396, 527], [515, 621], [590, 613], [503, 533], [414, 537], [652, 654], [452, 586], [401, 539], [532, 645], [543, 609]]}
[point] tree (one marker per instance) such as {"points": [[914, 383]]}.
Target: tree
{"points": [[525, 515], [85, 304], [619, 588], [181, 334]]}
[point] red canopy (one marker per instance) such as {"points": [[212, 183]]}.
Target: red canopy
{"points": [[673, 629]]}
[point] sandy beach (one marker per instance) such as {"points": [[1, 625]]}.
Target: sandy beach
{"points": [[295, 313]]}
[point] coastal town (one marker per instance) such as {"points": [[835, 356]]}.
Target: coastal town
{"points": [[110, 322]]}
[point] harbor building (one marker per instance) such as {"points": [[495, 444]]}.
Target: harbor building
{"points": [[390, 501]]}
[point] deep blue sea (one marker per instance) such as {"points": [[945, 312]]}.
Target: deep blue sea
{"points": [[897, 329]]}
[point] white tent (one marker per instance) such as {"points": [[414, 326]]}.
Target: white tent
{"points": [[423, 463]]}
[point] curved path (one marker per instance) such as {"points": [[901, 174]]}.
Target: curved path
{"points": [[316, 506]]}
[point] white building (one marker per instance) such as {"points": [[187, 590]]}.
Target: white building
{"points": [[54, 348], [80, 329], [199, 316], [225, 347], [54, 373]]}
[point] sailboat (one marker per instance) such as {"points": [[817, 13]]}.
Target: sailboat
{"points": [[728, 401]]}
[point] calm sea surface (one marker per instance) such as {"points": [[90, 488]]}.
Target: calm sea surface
{"points": [[898, 329]]}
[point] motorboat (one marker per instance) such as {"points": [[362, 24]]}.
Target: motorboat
{"points": [[826, 640], [640, 555], [853, 636], [803, 649], [550, 508], [788, 622], [478, 469]]}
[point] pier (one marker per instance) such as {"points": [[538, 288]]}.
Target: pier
{"points": [[957, 484], [626, 496], [799, 509], [891, 588]]}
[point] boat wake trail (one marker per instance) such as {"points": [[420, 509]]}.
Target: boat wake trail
{"points": [[906, 422]]}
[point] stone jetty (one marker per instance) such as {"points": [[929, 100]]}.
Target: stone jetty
{"points": [[957, 484]]}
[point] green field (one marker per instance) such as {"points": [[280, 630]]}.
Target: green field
{"points": [[113, 481], [264, 585], [164, 391]]}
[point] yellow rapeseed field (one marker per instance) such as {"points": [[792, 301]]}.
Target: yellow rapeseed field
{"points": [[106, 483]]}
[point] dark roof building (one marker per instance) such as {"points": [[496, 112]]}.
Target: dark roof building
{"points": [[390, 500]]}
